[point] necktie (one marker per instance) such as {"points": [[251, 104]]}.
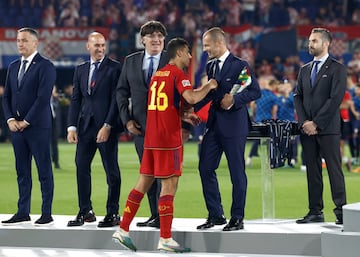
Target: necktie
{"points": [[93, 77], [22, 71], [314, 72], [150, 70], [216, 69]]}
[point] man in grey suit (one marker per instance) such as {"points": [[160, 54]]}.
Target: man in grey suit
{"points": [[133, 84], [317, 98]]}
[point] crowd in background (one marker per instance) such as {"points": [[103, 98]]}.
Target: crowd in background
{"points": [[189, 19]]}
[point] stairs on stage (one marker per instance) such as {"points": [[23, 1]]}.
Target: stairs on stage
{"points": [[345, 243]]}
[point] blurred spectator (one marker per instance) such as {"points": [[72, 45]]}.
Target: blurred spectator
{"points": [[84, 21], [98, 17], [54, 103], [233, 13], [264, 108], [248, 11], [355, 18], [64, 103], [3, 125], [48, 16], [69, 16], [354, 65], [303, 18], [248, 53], [278, 68]]}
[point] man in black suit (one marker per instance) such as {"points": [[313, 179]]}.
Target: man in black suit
{"points": [[93, 124], [226, 130], [26, 104], [317, 98], [133, 83]]}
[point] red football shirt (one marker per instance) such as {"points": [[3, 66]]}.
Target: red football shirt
{"points": [[164, 112], [344, 113]]}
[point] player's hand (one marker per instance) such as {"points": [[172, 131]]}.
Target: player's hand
{"points": [[72, 137], [213, 84], [133, 127], [192, 118]]}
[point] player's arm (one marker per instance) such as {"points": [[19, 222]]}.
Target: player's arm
{"points": [[196, 95]]}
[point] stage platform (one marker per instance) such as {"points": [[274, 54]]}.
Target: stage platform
{"points": [[259, 238]]}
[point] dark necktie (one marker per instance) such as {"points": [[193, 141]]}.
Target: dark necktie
{"points": [[22, 71], [150, 70], [216, 69], [314, 72], [93, 77]]}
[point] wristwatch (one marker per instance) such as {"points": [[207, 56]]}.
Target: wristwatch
{"points": [[107, 125]]}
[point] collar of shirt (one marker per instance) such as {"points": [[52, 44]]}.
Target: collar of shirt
{"points": [[223, 58], [29, 59], [92, 62], [146, 60], [322, 61]]}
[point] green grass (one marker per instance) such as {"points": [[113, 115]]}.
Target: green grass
{"points": [[290, 186]]}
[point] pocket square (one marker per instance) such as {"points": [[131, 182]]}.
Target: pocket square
{"points": [[228, 79], [324, 76]]}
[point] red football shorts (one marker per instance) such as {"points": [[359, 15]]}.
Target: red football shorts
{"points": [[162, 163]]}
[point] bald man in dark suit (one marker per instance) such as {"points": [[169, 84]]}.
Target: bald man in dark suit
{"points": [[93, 124]]}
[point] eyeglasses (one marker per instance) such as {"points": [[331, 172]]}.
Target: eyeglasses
{"points": [[155, 36]]}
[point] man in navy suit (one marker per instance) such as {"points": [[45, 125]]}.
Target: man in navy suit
{"points": [[317, 98], [226, 131], [93, 124], [133, 83], [26, 104]]}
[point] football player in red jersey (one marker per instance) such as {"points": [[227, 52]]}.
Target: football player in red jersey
{"points": [[170, 87]]}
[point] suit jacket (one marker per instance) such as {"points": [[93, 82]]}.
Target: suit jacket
{"points": [[321, 102], [101, 103], [30, 100], [233, 122], [132, 84]]}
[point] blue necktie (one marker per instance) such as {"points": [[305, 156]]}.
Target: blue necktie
{"points": [[150, 70], [22, 71], [314, 72], [93, 77]]}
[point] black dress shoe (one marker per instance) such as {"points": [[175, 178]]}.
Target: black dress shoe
{"points": [[109, 220], [234, 224], [16, 219], [311, 218], [153, 222], [82, 218], [339, 220], [210, 222], [44, 220]]}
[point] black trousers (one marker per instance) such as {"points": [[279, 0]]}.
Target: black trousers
{"points": [[328, 147]]}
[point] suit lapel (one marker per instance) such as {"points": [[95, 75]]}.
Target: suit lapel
{"points": [[226, 67], [99, 75], [85, 77], [139, 65], [29, 69]]}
